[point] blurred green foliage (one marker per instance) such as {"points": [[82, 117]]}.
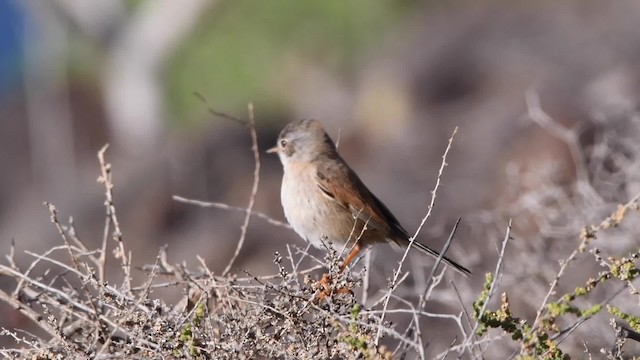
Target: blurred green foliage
{"points": [[239, 47]]}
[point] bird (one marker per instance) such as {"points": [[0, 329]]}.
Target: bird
{"points": [[324, 200]]}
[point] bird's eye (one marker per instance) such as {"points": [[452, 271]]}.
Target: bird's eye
{"points": [[283, 143]]}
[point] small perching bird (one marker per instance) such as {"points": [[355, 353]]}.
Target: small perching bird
{"points": [[324, 200]]}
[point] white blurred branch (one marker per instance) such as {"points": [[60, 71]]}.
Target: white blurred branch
{"points": [[96, 19], [132, 81]]}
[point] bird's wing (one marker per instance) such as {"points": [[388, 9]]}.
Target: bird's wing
{"points": [[338, 182]]}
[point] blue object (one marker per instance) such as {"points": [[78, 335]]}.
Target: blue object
{"points": [[12, 32]]}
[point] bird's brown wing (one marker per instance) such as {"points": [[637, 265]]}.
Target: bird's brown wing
{"points": [[337, 181]]}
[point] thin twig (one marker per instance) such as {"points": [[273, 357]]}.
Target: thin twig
{"points": [[496, 277], [28, 312], [425, 296], [397, 272], [223, 206], [467, 316], [250, 124], [220, 114], [485, 340], [565, 263], [254, 189], [54, 219], [106, 179], [365, 280], [143, 296]]}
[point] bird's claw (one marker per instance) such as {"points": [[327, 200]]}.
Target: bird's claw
{"points": [[326, 290]]}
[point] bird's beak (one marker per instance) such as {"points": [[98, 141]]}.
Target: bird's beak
{"points": [[273, 150]]}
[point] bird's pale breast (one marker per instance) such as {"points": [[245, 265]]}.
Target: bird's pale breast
{"points": [[314, 216]]}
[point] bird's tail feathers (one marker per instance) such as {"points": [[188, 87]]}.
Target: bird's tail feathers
{"points": [[425, 249]]}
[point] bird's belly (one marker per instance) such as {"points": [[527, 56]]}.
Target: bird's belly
{"points": [[313, 216]]}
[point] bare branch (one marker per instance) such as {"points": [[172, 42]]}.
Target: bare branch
{"points": [[223, 206], [254, 189], [112, 219], [434, 192], [497, 275]]}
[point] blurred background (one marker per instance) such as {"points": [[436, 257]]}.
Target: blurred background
{"points": [[393, 78]]}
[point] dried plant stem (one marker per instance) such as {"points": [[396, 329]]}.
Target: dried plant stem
{"points": [[250, 124], [81, 275], [224, 206], [396, 274], [254, 189], [112, 219], [496, 279], [141, 298]]}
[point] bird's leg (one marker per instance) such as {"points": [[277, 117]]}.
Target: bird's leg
{"points": [[352, 255], [325, 282]]}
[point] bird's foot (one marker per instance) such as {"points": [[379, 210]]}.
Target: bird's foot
{"points": [[325, 285]]}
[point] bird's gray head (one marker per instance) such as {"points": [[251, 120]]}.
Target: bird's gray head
{"points": [[304, 141]]}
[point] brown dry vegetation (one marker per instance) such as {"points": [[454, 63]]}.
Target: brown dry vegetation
{"points": [[79, 314], [545, 95]]}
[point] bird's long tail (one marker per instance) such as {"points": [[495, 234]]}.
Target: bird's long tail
{"points": [[425, 249]]}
